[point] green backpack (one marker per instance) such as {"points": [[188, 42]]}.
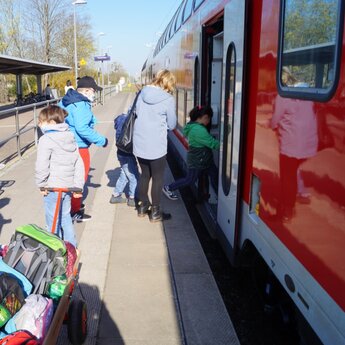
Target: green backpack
{"points": [[38, 254]]}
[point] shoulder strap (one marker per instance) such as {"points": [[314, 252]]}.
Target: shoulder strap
{"points": [[135, 101]]}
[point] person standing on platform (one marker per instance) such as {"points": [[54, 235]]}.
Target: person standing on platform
{"points": [[156, 114], [48, 92], [81, 120], [68, 86], [58, 165], [129, 170]]}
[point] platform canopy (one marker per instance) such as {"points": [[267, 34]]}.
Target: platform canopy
{"points": [[13, 65]]}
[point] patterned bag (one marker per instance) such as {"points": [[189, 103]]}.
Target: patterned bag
{"points": [[11, 296]]}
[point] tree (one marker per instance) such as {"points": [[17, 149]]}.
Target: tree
{"points": [[85, 43], [309, 23]]}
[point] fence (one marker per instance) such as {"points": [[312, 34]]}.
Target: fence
{"points": [[14, 143]]}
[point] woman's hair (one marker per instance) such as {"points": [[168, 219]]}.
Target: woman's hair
{"points": [[165, 80], [52, 113], [199, 111]]}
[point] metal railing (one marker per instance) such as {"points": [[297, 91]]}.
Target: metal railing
{"points": [[21, 130]]}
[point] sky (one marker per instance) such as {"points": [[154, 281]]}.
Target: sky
{"points": [[130, 27]]}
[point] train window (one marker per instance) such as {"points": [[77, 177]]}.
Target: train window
{"points": [[166, 37], [228, 117], [189, 104], [168, 30], [179, 17], [309, 53], [187, 10], [172, 26], [181, 108], [197, 3]]}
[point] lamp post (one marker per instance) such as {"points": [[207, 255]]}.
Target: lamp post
{"points": [[77, 2], [100, 71], [99, 42], [108, 62]]}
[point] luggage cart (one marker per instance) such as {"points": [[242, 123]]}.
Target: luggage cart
{"points": [[70, 309]]}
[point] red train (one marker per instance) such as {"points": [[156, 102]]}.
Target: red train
{"points": [[273, 72]]}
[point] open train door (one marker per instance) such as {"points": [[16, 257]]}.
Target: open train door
{"points": [[231, 120]]}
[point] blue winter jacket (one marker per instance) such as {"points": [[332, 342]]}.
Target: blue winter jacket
{"points": [[156, 114], [80, 119]]}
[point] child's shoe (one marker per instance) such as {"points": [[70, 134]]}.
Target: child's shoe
{"points": [[117, 199], [169, 194], [131, 202]]}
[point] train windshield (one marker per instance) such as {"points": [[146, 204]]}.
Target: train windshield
{"points": [[309, 45]]}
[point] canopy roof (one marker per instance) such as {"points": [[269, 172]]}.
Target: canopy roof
{"points": [[13, 65]]}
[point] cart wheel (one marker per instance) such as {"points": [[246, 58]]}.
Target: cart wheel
{"points": [[77, 322]]}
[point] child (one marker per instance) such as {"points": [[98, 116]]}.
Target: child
{"points": [[58, 165], [199, 156], [129, 170]]}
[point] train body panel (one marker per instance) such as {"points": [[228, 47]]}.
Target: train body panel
{"points": [[281, 178]]}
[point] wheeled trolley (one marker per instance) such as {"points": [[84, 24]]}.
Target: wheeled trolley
{"points": [[70, 310]]}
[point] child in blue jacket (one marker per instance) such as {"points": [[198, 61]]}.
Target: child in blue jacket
{"points": [[129, 170]]}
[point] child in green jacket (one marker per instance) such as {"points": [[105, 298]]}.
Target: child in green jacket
{"points": [[199, 156]]}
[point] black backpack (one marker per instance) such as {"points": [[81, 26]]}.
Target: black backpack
{"points": [[12, 296]]}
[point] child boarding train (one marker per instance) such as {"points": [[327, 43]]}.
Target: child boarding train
{"points": [[273, 72]]}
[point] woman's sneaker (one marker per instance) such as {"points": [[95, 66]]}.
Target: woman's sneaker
{"points": [[169, 194]]}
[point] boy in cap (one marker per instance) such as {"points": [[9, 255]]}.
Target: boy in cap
{"points": [[81, 120]]}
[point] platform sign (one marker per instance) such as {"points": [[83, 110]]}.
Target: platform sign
{"points": [[102, 58], [82, 62]]}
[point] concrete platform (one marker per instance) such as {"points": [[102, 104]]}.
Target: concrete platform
{"points": [[144, 283]]}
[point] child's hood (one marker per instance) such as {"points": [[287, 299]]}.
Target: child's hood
{"points": [[61, 136], [189, 126], [73, 96]]}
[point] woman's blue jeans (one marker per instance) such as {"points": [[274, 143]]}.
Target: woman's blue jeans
{"points": [[64, 218], [129, 174]]}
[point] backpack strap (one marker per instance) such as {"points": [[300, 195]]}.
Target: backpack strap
{"points": [[40, 282], [43, 257], [14, 251]]}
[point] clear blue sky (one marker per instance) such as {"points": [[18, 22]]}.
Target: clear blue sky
{"points": [[129, 26]]}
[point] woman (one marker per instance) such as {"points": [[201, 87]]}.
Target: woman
{"points": [[156, 114]]}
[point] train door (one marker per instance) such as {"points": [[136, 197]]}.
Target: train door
{"points": [[233, 55], [211, 94]]}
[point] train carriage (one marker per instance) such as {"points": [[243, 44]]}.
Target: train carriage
{"points": [[273, 72]]}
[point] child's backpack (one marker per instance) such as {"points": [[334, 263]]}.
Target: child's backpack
{"points": [[19, 338], [24, 282], [11, 296], [118, 124], [35, 316], [38, 254]]}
